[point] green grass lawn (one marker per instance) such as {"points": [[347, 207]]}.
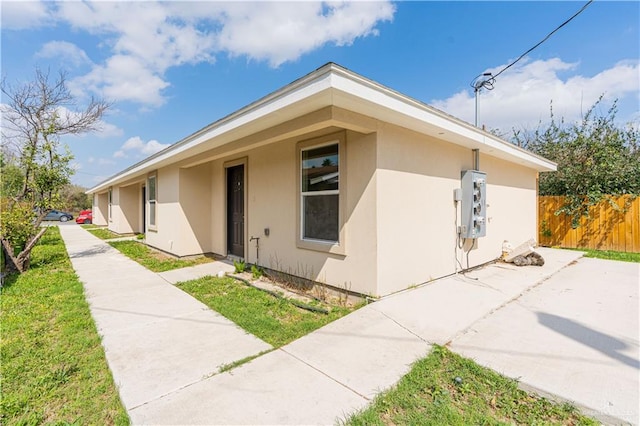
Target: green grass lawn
{"points": [[430, 395], [154, 260], [53, 366], [611, 255], [90, 226], [103, 233], [276, 321]]}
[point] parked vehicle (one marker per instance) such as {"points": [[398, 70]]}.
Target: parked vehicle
{"points": [[85, 217], [58, 215]]}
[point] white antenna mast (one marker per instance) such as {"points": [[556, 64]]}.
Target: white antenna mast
{"points": [[486, 81]]}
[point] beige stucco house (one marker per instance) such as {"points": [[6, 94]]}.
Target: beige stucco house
{"points": [[338, 179]]}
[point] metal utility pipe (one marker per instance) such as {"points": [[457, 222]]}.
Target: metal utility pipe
{"points": [[257, 249], [476, 95], [476, 159], [485, 80]]}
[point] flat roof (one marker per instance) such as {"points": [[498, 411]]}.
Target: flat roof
{"points": [[333, 85]]}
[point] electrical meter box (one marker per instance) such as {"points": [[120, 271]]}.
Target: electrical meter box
{"points": [[473, 210]]}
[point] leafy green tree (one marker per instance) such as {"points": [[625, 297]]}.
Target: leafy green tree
{"points": [[11, 179], [597, 159], [35, 115], [74, 199]]}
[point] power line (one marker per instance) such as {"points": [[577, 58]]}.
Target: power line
{"points": [[85, 173], [544, 39], [487, 80]]}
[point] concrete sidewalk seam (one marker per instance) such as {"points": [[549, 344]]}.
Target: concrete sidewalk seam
{"points": [[325, 374], [141, 384], [503, 305], [205, 377], [477, 281], [402, 326], [167, 281], [159, 318], [171, 392], [361, 354]]}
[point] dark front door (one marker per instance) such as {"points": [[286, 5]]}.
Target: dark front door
{"points": [[235, 210]]}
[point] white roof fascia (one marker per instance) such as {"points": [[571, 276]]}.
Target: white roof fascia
{"points": [[300, 90], [375, 93], [327, 78]]}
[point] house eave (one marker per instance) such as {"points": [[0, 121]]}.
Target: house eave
{"points": [[331, 85], [385, 104]]}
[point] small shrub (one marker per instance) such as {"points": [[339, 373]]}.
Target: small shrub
{"points": [[140, 237], [256, 272], [239, 266]]}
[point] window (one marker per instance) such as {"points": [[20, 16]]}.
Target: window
{"points": [[109, 200], [320, 193], [151, 191]]}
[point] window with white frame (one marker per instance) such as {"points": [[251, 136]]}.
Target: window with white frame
{"points": [[109, 199], [320, 193], [151, 191]]}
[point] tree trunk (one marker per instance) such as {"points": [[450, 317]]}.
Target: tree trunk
{"points": [[21, 262], [11, 263]]}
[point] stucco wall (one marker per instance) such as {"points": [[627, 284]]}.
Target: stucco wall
{"points": [[399, 221], [130, 209], [114, 217], [126, 206], [417, 214], [183, 210], [512, 203], [218, 206], [195, 203], [100, 209], [272, 185], [166, 234]]}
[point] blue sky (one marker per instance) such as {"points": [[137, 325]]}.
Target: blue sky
{"points": [[171, 68]]}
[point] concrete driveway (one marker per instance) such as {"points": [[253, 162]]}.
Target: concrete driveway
{"points": [[569, 328], [575, 335]]}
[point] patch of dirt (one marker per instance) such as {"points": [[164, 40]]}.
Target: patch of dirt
{"points": [[266, 284], [318, 293]]}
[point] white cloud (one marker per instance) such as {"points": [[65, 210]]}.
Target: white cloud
{"points": [[20, 15], [69, 52], [140, 147], [103, 129], [106, 162], [108, 130], [145, 39], [282, 31], [522, 95], [122, 77]]}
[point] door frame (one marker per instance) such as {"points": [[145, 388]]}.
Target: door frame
{"points": [[227, 165]]}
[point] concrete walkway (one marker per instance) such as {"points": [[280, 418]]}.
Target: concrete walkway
{"points": [[575, 336], [194, 272], [157, 339], [318, 379]]}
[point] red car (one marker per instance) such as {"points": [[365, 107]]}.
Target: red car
{"points": [[85, 216]]}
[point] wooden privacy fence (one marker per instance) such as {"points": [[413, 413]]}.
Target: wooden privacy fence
{"points": [[607, 228]]}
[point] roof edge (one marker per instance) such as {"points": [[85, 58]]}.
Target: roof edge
{"points": [[328, 69], [318, 72]]}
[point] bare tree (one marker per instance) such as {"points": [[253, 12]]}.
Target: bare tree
{"points": [[35, 115]]}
